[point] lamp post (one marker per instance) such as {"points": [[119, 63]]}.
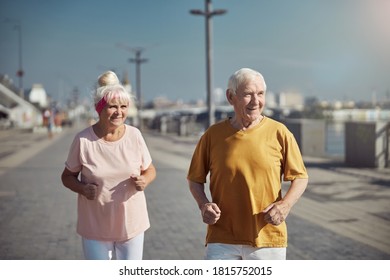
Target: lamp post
{"points": [[208, 13], [19, 72], [138, 61]]}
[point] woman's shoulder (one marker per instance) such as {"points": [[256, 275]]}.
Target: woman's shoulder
{"points": [[84, 133], [132, 130], [133, 133]]}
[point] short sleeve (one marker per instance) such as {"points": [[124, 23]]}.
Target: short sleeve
{"points": [[146, 157], [293, 166], [199, 167], [73, 162]]}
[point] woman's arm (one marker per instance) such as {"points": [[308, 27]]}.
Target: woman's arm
{"points": [[147, 176], [71, 181]]}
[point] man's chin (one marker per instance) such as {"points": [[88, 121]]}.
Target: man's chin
{"points": [[253, 116]]}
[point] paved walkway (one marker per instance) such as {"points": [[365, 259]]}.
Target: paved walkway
{"points": [[344, 214], [17, 145], [351, 203]]}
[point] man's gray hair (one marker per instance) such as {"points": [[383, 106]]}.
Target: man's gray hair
{"points": [[241, 76]]}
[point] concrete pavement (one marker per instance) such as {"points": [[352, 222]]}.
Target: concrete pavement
{"points": [[344, 214], [341, 206]]}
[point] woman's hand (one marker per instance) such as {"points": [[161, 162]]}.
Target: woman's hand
{"points": [[140, 182], [90, 191]]}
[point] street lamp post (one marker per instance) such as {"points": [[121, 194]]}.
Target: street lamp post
{"points": [[138, 61], [208, 13], [19, 72]]}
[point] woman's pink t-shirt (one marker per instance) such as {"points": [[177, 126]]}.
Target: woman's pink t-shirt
{"points": [[119, 212]]}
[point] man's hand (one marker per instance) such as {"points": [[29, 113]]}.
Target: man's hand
{"points": [[276, 213], [210, 213]]}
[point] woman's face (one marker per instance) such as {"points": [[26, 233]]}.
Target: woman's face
{"points": [[115, 112]]}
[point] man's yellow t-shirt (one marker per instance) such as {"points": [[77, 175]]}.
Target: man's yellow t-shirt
{"points": [[246, 171]]}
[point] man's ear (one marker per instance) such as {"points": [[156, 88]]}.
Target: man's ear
{"points": [[229, 96]]}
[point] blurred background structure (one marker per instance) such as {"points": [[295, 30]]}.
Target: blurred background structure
{"points": [[315, 68], [327, 78]]}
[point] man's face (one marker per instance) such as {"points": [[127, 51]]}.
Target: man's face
{"points": [[249, 100]]}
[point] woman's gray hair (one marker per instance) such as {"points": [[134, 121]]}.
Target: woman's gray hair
{"points": [[108, 78], [111, 92], [110, 87], [242, 76]]}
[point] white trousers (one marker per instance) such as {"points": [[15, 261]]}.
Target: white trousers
{"points": [[220, 251], [131, 249]]}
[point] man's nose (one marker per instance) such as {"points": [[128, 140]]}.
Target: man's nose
{"points": [[255, 98]]}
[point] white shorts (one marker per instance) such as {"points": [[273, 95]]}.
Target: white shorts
{"points": [[131, 249], [221, 251]]}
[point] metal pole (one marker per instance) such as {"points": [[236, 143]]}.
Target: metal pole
{"points": [[19, 72], [208, 13], [138, 87], [209, 53], [138, 61], [138, 78]]}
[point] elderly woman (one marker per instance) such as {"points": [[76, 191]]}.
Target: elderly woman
{"points": [[115, 167]]}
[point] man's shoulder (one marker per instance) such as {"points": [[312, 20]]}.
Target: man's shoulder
{"points": [[220, 124], [217, 127], [274, 123]]}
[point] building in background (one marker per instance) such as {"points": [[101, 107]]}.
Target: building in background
{"points": [[15, 111], [291, 100], [132, 113], [38, 96]]}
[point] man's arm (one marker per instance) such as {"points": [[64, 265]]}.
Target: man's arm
{"points": [[210, 211], [277, 212]]}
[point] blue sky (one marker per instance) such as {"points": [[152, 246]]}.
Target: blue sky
{"points": [[335, 49]]}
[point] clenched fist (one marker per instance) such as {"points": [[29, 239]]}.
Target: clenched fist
{"points": [[90, 191]]}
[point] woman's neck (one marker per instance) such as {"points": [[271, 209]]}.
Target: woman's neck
{"points": [[109, 134]]}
